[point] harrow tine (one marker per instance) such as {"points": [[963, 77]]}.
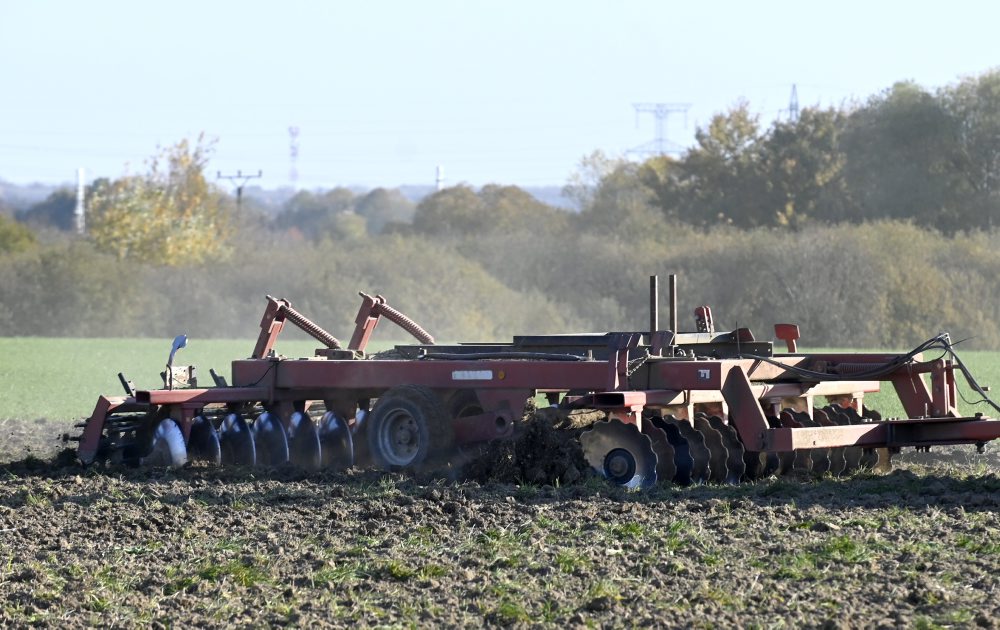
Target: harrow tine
{"points": [[700, 455], [666, 467], [718, 455], [736, 463], [683, 462]]}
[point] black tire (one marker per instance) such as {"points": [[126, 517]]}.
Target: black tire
{"points": [[409, 427]]}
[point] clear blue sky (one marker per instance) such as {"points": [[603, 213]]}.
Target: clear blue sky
{"points": [[512, 91]]}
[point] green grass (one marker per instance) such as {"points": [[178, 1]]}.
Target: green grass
{"points": [[61, 378]]}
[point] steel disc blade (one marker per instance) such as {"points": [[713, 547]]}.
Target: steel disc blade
{"points": [[620, 453], [837, 459], [701, 467], [203, 442], [167, 446], [336, 441], [820, 456], [237, 442], [271, 439], [736, 464], [683, 463], [303, 441], [666, 470], [718, 455]]}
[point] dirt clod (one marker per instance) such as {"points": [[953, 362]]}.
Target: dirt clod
{"points": [[546, 451]]}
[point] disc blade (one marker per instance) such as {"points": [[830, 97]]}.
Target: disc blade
{"points": [[666, 470], [683, 463], [271, 439], [203, 442], [166, 446], [718, 455], [303, 441], [336, 442], [236, 441], [701, 467], [736, 464], [620, 453]]}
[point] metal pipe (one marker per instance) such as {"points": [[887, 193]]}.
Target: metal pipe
{"points": [[654, 306], [673, 303]]}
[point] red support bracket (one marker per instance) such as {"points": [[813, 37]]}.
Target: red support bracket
{"points": [[789, 333]]}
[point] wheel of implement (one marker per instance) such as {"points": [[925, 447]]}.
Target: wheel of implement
{"points": [[408, 427], [304, 449], [336, 443], [236, 441], [166, 446], [203, 442], [271, 439], [620, 453]]}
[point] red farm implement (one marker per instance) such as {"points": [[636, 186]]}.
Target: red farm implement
{"points": [[683, 407]]}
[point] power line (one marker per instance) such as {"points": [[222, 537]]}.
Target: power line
{"points": [[240, 180]]}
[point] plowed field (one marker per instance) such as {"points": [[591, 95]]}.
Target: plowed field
{"points": [[217, 548]]}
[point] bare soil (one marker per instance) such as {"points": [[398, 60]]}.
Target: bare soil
{"points": [[216, 548]]}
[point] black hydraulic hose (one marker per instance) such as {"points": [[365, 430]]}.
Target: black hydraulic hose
{"points": [[941, 342]]}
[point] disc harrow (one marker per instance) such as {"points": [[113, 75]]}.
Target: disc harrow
{"points": [[702, 407]]}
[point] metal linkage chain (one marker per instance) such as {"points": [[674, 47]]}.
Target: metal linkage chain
{"points": [[635, 364]]}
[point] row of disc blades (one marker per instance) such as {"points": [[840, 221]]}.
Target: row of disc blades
{"points": [[707, 449], [262, 441]]}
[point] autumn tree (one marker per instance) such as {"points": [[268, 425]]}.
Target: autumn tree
{"points": [[170, 215], [975, 106], [316, 214], [14, 236], [381, 207], [460, 210]]}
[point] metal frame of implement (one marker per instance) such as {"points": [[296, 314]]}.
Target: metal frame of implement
{"points": [[630, 375]]}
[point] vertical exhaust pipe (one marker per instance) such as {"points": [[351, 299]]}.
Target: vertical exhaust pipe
{"points": [[673, 303]]}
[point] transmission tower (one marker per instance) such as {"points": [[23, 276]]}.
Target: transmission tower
{"points": [[793, 105], [661, 111]]}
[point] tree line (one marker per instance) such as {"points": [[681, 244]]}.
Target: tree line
{"points": [[869, 225]]}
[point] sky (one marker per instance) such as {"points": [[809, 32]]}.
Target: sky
{"points": [[383, 92]]}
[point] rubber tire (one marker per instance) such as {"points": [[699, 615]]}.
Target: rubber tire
{"points": [[434, 432]]}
